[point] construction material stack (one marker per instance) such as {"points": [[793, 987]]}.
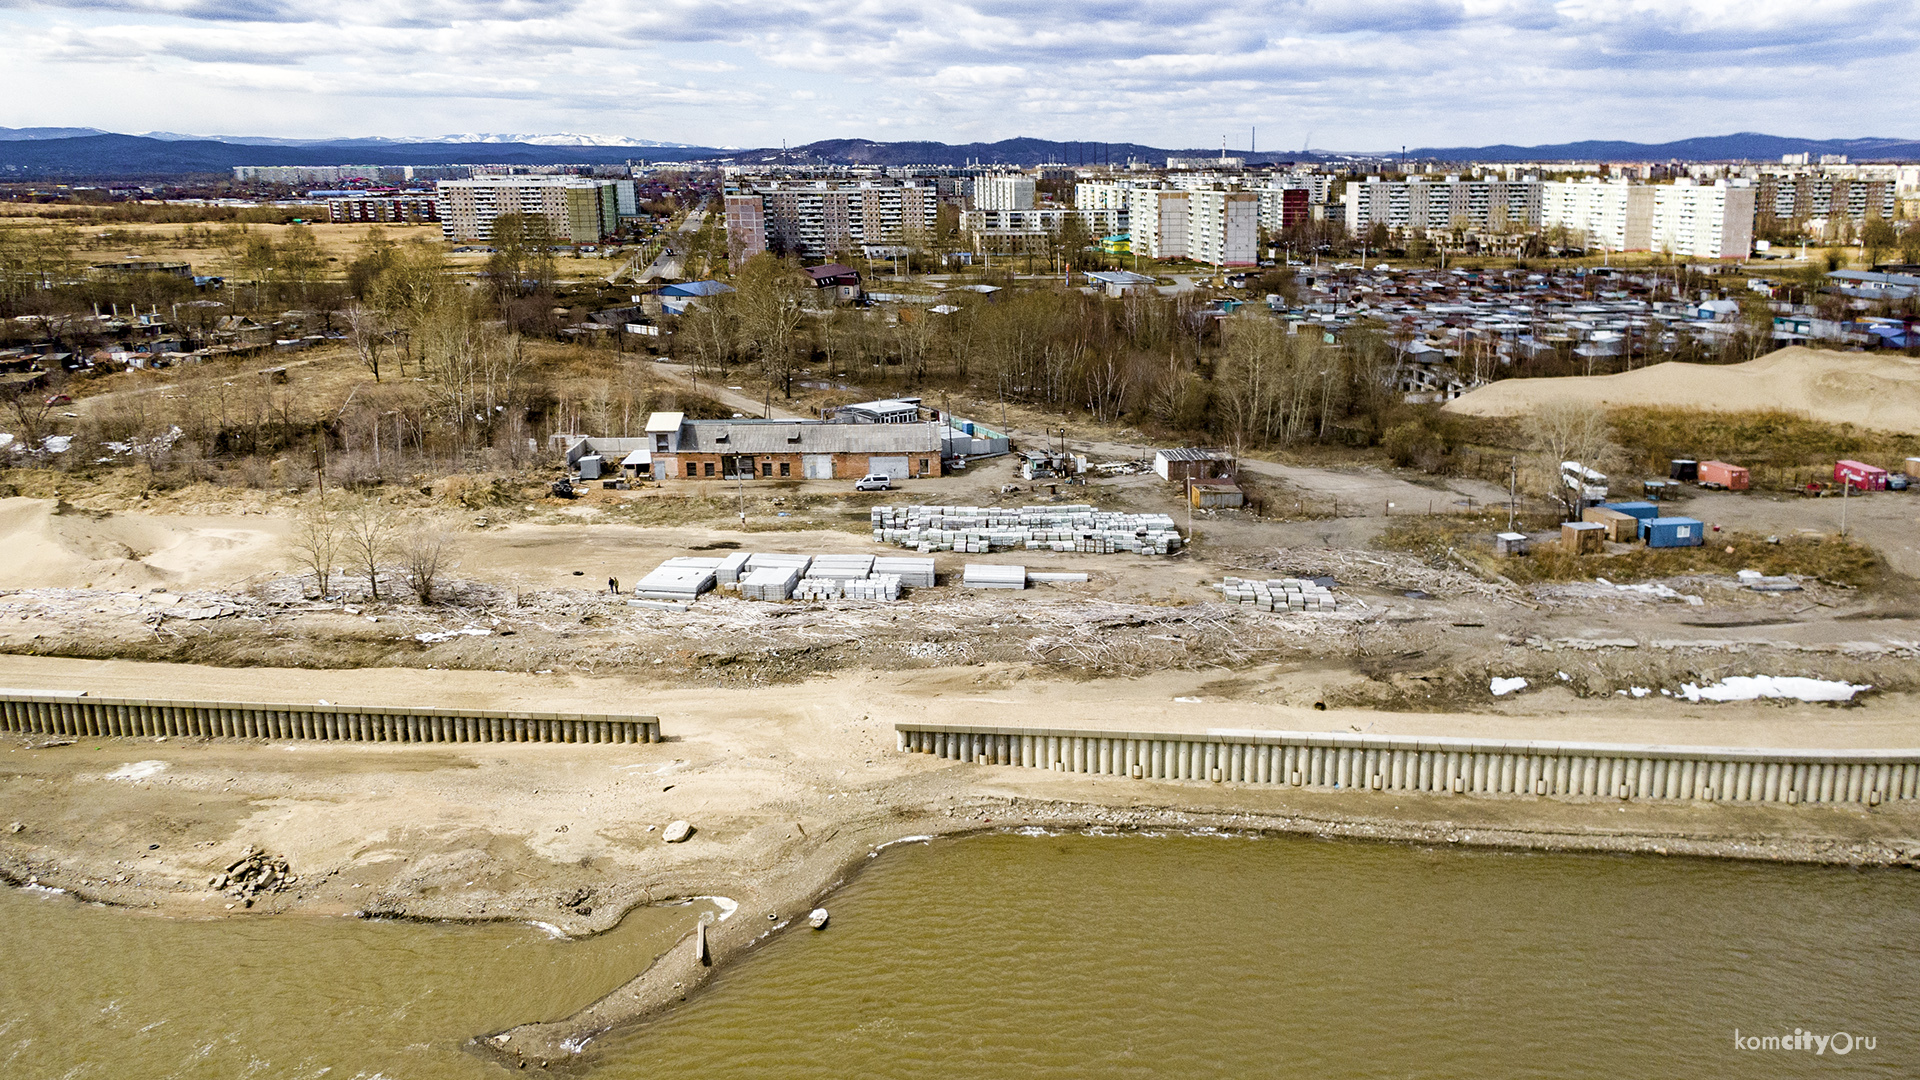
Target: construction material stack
{"points": [[731, 568], [682, 579], [841, 567], [770, 583], [994, 576], [1279, 594], [885, 587], [982, 529], [817, 589], [913, 573]]}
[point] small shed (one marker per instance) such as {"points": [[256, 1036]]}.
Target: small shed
{"points": [[1666, 532], [1719, 474], [1859, 475], [1685, 470], [1583, 537], [1184, 463], [1660, 489], [1621, 528], [1215, 494], [1510, 543]]}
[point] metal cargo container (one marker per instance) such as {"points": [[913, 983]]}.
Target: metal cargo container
{"points": [[1683, 469], [1621, 528], [1645, 511], [1859, 475], [1583, 537], [590, 467], [1668, 532], [1719, 474]]}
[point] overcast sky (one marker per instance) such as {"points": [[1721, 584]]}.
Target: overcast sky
{"points": [[1347, 74]]}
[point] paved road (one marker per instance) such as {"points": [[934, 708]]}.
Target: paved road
{"points": [[671, 263]]}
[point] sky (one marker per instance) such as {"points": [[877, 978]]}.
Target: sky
{"points": [[1332, 74]]}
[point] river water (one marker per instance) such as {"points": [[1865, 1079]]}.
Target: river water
{"points": [[1057, 956]]}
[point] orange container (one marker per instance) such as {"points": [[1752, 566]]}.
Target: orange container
{"points": [[1722, 475]]}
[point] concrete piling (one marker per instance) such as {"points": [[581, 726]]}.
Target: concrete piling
{"points": [[1390, 764]]}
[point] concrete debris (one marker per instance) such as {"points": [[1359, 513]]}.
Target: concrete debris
{"points": [[677, 832], [817, 918], [659, 605], [253, 873], [979, 530], [1280, 594]]}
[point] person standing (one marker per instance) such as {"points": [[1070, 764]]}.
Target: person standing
{"points": [[613, 585]]}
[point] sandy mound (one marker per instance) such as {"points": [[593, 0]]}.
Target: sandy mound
{"points": [[41, 548], [1868, 390]]}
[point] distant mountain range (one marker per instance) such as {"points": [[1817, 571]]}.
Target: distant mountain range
{"points": [[52, 152]]}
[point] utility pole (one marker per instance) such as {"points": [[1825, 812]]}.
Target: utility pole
{"points": [[1513, 490]]}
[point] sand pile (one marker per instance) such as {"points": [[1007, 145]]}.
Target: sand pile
{"points": [[1865, 389], [45, 546]]}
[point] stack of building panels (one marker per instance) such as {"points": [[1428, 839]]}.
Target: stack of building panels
{"points": [[914, 573], [976, 529], [1279, 594], [1037, 577], [877, 587], [731, 567], [670, 582], [994, 576], [841, 567], [762, 559], [769, 583]]}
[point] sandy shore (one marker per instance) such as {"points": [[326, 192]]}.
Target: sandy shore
{"points": [[790, 792]]}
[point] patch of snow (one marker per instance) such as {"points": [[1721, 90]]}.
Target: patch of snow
{"points": [[449, 635], [551, 930], [137, 770], [1639, 691], [727, 905], [1503, 687], [1750, 687]]}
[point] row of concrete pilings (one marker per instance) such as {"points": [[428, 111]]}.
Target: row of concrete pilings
{"points": [[1438, 765], [82, 715]]}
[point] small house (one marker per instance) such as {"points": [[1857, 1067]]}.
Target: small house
{"points": [[1215, 494]]}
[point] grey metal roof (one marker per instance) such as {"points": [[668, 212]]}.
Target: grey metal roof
{"points": [[1193, 453], [789, 437]]}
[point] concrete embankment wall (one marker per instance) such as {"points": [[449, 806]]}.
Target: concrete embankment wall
{"points": [[1438, 765], [80, 715]]}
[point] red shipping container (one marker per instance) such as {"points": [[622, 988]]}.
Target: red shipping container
{"points": [[1860, 476], [1722, 475]]}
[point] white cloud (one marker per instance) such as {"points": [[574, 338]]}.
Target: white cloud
{"points": [[1357, 73]]}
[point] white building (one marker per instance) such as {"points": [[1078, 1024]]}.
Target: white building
{"points": [[1029, 230], [1223, 227], [1703, 221], [578, 209], [1158, 221], [818, 218], [1418, 204], [1614, 215], [1003, 192]]}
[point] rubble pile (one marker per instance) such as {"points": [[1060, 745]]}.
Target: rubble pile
{"points": [[253, 873]]}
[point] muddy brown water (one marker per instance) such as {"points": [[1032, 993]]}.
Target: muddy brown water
{"points": [[1059, 956]]}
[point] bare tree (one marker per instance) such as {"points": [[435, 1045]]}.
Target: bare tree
{"points": [[426, 551], [367, 329], [369, 530], [1567, 432], [316, 542]]}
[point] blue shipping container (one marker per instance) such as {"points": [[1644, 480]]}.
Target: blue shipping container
{"points": [[1645, 511], [1668, 532]]}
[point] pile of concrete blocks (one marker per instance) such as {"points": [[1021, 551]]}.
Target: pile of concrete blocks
{"points": [[1279, 594], [682, 579], [994, 576], [978, 529], [731, 568], [841, 567], [885, 587], [770, 583], [817, 589], [761, 559], [914, 573]]}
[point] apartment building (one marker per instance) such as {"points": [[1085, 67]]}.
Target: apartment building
{"points": [[1003, 192], [816, 218], [1703, 221], [1797, 198], [1158, 222], [1613, 216], [1223, 227], [1030, 230], [578, 209], [382, 209], [1281, 208], [1421, 205]]}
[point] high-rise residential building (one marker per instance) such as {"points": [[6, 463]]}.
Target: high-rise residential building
{"points": [[1223, 227], [1797, 198], [1158, 222], [1495, 206], [817, 218], [1002, 191], [1031, 230], [1614, 216], [1281, 208], [577, 209], [1703, 221]]}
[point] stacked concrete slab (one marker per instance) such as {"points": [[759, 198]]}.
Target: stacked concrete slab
{"points": [[885, 587], [1279, 594], [762, 559], [817, 589], [981, 529], [994, 576], [841, 567], [914, 573], [674, 580], [731, 568], [770, 583]]}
